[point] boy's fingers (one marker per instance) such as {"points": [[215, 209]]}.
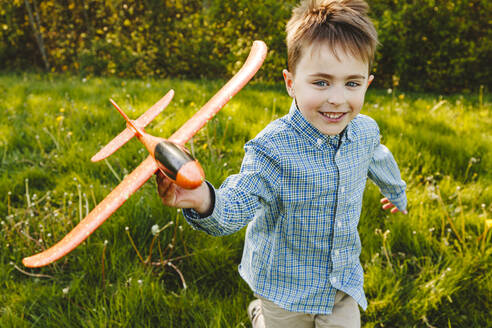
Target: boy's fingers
{"points": [[168, 194], [388, 206], [384, 200], [394, 210], [163, 184]]}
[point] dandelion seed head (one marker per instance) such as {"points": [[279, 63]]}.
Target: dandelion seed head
{"points": [[155, 229], [66, 290], [127, 228]]}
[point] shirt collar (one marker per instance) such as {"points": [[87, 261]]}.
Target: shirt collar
{"points": [[306, 129]]}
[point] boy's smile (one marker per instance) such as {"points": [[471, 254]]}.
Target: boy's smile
{"points": [[329, 90]]}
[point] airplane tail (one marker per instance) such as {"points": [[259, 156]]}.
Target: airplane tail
{"points": [[133, 127]]}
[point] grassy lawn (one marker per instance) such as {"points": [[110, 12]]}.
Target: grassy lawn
{"points": [[431, 268]]}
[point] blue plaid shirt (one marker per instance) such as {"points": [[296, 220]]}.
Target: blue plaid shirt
{"points": [[300, 192]]}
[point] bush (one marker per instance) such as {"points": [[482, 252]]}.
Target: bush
{"points": [[434, 45], [426, 45]]}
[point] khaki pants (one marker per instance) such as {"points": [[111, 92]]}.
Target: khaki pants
{"points": [[345, 315]]}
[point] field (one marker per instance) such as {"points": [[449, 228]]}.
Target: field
{"points": [[145, 267]]}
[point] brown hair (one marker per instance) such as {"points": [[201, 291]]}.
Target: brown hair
{"points": [[342, 23]]}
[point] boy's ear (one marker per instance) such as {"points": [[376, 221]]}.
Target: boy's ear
{"points": [[289, 83], [369, 80]]}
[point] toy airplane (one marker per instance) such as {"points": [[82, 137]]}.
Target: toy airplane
{"points": [[169, 156]]}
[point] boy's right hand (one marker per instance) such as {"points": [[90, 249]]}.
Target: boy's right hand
{"points": [[176, 196]]}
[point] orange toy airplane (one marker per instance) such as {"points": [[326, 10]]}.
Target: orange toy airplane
{"points": [[169, 156]]}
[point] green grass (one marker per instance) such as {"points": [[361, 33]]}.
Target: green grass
{"points": [[431, 268]]}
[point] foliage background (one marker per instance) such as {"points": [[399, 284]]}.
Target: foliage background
{"points": [[431, 45]]}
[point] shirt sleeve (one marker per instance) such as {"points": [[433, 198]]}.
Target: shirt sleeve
{"points": [[243, 196], [384, 171]]}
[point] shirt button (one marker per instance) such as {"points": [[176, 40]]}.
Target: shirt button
{"points": [[319, 142], [333, 280], [339, 224], [337, 252], [343, 189]]}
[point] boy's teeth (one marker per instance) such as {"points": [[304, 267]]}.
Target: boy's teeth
{"points": [[333, 115]]}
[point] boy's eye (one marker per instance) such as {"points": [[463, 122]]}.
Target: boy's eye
{"points": [[353, 84], [321, 83]]}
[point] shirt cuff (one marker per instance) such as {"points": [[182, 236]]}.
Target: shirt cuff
{"points": [[400, 201], [212, 201], [205, 222]]}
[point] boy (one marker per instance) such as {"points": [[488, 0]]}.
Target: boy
{"points": [[302, 178]]}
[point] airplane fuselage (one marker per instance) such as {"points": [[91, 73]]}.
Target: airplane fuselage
{"points": [[174, 161]]}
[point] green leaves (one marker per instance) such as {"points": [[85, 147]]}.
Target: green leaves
{"points": [[439, 46]]}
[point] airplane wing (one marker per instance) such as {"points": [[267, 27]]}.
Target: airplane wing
{"points": [[96, 217], [250, 67], [127, 133]]}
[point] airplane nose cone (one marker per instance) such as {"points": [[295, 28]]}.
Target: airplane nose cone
{"points": [[190, 175]]}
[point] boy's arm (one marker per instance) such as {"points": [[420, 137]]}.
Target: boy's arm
{"points": [[241, 197], [384, 171]]}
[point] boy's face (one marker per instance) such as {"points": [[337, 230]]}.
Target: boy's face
{"points": [[328, 91]]}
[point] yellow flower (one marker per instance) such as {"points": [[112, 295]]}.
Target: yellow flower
{"points": [[62, 110], [59, 118], [488, 223], [401, 97]]}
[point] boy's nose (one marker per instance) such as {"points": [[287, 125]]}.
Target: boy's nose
{"points": [[336, 96]]}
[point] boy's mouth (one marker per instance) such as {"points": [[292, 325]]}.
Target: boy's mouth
{"points": [[333, 115]]}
